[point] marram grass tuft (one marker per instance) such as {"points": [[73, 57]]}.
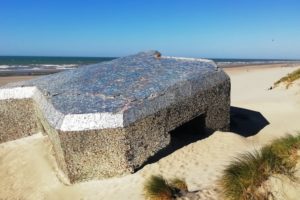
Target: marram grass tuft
{"points": [[157, 188], [244, 176], [289, 79]]}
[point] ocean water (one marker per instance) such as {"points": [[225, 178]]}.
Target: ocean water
{"points": [[10, 65], [25, 65]]}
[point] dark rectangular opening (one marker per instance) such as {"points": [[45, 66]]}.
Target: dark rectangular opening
{"points": [[183, 135]]}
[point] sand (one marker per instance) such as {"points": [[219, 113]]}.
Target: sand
{"points": [[8, 79], [28, 169]]}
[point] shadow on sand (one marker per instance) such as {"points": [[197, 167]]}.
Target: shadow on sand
{"points": [[246, 122], [243, 122]]}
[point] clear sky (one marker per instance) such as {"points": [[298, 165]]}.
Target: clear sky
{"points": [[195, 28]]}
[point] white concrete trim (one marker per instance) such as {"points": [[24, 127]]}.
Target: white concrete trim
{"points": [[53, 116], [17, 93], [188, 59], [193, 59], [59, 121], [80, 122]]}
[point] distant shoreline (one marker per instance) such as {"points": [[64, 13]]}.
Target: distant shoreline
{"points": [[258, 65], [283, 64], [41, 65], [9, 76], [40, 72]]}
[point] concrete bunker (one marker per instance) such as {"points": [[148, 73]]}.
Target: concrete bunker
{"points": [[107, 119]]}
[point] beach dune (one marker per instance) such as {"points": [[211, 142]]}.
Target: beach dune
{"points": [[28, 169]]}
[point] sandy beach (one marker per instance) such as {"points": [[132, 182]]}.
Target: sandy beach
{"points": [[9, 79], [28, 169]]}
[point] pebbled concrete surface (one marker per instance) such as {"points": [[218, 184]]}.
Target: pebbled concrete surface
{"points": [[106, 119]]}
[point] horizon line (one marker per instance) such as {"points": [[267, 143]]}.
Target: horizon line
{"points": [[211, 58]]}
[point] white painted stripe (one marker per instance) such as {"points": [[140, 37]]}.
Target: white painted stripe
{"points": [[188, 59], [17, 93], [80, 122], [53, 116], [59, 121]]}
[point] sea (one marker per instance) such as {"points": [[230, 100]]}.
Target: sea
{"points": [[39, 65]]}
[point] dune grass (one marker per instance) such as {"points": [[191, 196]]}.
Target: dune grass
{"points": [[244, 176], [157, 188], [179, 184], [289, 79]]}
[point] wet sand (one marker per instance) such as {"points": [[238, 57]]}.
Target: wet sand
{"points": [[9, 79]]}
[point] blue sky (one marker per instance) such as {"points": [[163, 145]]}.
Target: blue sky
{"points": [[203, 28]]}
